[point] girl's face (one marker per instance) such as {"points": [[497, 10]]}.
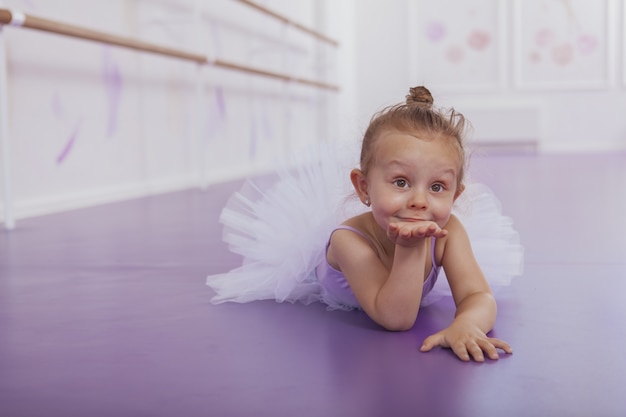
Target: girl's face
{"points": [[411, 179]]}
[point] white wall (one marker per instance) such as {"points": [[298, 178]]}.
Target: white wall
{"points": [[90, 123], [561, 117]]}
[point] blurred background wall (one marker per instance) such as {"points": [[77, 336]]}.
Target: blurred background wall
{"points": [[90, 123], [548, 73]]}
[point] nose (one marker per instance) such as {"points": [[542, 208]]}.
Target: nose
{"points": [[418, 199]]}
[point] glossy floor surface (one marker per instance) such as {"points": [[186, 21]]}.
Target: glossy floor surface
{"points": [[104, 312]]}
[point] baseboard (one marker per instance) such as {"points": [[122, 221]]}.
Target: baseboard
{"points": [[592, 147], [93, 197], [504, 147]]}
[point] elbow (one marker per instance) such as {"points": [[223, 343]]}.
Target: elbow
{"points": [[398, 328], [396, 316], [399, 323]]}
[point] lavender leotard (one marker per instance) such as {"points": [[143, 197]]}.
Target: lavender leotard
{"points": [[336, 287]]}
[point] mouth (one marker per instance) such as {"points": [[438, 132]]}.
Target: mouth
{"points": [[410, 219]]}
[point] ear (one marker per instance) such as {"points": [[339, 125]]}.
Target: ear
{"points": [[359, 183], [459, 191]]}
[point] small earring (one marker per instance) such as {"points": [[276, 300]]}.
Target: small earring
{"points": [[367, 202]]}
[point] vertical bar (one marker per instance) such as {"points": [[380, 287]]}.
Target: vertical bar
{"points": [[197, 141], [198, 130], [9, 220], [287, 138], [322, 105]]}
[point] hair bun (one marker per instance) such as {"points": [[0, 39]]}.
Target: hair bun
{"points": [[420, 96]]}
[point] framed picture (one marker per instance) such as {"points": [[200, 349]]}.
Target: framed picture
{"points": [[457, 45], [563, 44]]}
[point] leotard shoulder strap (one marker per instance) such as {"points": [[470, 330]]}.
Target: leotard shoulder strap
{"points": [[352, 229]]}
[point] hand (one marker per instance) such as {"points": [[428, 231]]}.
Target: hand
{"points": [[412, 233], [466, 340]]}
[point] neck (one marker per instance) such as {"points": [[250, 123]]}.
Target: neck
{"points": [[387, 246]]}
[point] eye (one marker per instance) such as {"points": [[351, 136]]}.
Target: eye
{"points": [[401, 182], [437, 188]]}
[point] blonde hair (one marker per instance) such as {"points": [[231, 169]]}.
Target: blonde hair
{"points": [[416, 116]]}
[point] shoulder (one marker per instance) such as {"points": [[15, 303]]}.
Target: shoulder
{"points": [[455, 225], [356, 245]]}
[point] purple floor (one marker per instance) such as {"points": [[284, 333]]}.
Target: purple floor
{"points": [[104, 312]]}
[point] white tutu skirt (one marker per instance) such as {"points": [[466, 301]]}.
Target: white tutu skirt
{"points": [[281, 227]]}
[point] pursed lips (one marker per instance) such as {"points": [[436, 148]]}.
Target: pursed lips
{"points": [[410, 219]]}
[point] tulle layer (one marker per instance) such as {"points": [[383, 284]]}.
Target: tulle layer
{"points": [[281, 230], [495, 243]]}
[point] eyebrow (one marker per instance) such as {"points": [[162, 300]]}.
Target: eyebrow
{"points": [[400, 163], [393, 162], [450, 171]]}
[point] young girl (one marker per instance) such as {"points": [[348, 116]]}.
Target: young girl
{"points": [[386, 259]]}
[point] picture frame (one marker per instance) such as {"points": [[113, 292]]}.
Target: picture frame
{"points": [[563, 44], [462, 51]]}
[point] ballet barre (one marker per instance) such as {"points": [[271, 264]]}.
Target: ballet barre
{"points": [[290, 22], [14, 18]]}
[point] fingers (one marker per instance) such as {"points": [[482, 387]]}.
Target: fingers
{"points": [[489, 349], [393, 231], [473, 349], [429, 229], [463, 352], [408, 232], [479, 348], [432, 341], [501, 344]]}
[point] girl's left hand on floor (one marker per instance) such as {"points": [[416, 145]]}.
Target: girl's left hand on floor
{"points": [[466, 342]]}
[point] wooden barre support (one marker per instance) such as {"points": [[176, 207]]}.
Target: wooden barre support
{"points": [[8, 17], [276, 75], [288, 21]]}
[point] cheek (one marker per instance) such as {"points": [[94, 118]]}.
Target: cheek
{"points": [[388, 201], [443, 209], [385, 205], [380, 194]]}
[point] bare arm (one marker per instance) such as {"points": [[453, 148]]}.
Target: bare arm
{"points": [[396, 304], [389, 296], [476, 308]]}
